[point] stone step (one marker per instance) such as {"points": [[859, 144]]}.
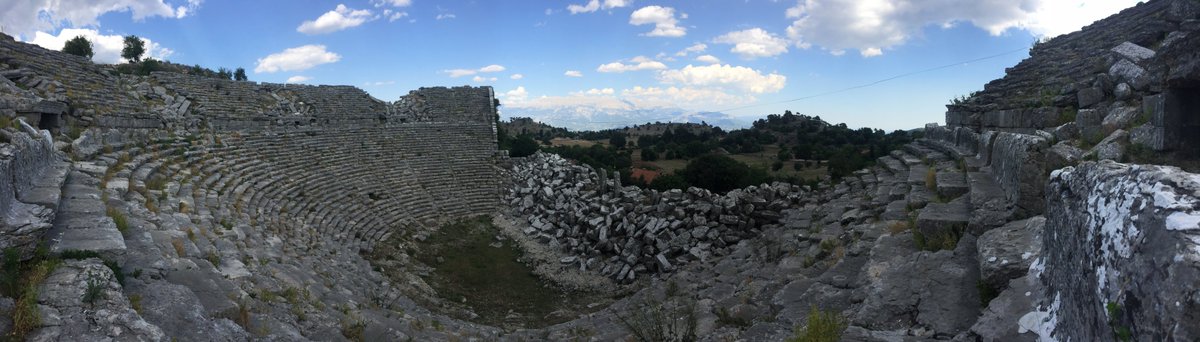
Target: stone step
{"points": [[939, 220], [989, 207], [951, 184]]}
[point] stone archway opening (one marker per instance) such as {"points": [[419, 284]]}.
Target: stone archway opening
{"points": [[1186, 114]]}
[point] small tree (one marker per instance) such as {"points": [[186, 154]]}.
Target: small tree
{"points": [[617, 140], [223, 73], [648, 154], [79, 46], [240, 74], [134, 48]]}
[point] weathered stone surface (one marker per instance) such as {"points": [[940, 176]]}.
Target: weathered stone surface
{"points": [[1061, 155], [931, 289], [70, 312], [1017, 164], [1149, 136], [1090, 96], [1133, 52], [1120, 117], [1000, 320], [1005, 253], [1125, 237], [1112, 147]]}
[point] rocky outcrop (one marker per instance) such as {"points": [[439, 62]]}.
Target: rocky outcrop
{"points": [[1122, 252], [32, 174]]}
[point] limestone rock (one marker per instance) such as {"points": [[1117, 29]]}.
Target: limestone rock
{"points": [[1112, 147], [1123, 237], [1005, 253], [83, 301]]}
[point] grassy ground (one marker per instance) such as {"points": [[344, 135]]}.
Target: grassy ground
{"points": [[575, 142], [761, 160], [470, 269]]}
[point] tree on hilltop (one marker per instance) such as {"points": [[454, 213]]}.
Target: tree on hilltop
{"points": [[239, 74], [79, 46], [223, 73], [134, 49]]}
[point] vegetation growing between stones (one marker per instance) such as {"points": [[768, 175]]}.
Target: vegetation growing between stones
{"points": [[986, 293], [673, 320], [21, 280], [821, 326]]}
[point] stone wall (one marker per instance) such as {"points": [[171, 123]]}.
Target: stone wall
{"points": [[1122, 252], [29, 191]]}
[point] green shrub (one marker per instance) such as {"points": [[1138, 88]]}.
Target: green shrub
{"points": [[95, 290], [822, 326]]}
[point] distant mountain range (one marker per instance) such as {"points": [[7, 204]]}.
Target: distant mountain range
{"points": [[581, 118]]}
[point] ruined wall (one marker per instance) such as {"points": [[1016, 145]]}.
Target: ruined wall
{"points": [[1123, 252]]}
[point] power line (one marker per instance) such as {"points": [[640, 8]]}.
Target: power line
{"points": [[860, 86], [864, 85]]}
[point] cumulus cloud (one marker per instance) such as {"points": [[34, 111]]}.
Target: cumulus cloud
{"points": [[379, 83], [516, 76], [296, 59], [481, 79], [753, 43], [455, 73], [107, 47], [594, 5], [23, 18], [710, 59], [683, 97], [724, 76], [515, 96], [605, 91], [340, 18], [663, 18], [635, 64], [873, 26], [695, 48], [573, 73], [298, 79]]}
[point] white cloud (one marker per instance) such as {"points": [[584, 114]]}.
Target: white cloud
{"points": [[379, 83], [296, 59], [594, 5], [753, 43], [605, 91], [515, 96], [724, 76], [446, 16], [573, 73], [696, 48], [683, 97], [710, 59], [340, 18], [516, 76], [394, 15], [492, 68], [873, 26], [298, 79], [455, 73], [23, 18], [394, 3], [663, 18], [481, 79], [636, 63], [107, 48]]}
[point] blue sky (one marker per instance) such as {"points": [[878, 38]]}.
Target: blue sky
{"points": [[745, 58]]}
